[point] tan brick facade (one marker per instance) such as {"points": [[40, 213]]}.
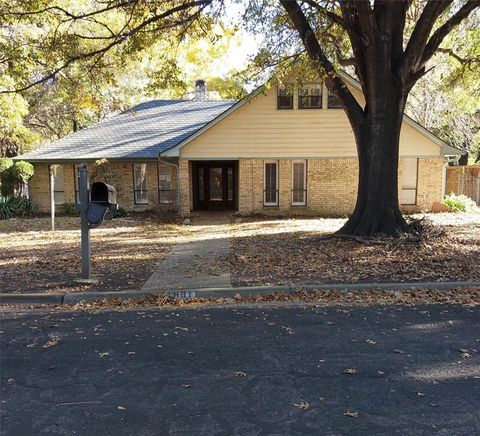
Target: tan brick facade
{"points": [[331, 186], [122, 172]]}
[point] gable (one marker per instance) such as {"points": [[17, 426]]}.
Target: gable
{"points": [[257, 129]]}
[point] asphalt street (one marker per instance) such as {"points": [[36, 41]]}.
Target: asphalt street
{"points": [[242, 370]]}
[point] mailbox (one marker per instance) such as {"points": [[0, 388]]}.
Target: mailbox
{"points": [[106, 195], [103, 200]]}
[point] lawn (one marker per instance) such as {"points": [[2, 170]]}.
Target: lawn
{"points": [[279, 251], [263, 251], [124, 253]]}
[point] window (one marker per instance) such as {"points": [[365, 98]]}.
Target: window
{"points": [[310, 97], [165, 187], [140, 183], [270, 193], [408, 195], [333, 101], [285, 97], [58, 184], [299, 183], [76, 171]]}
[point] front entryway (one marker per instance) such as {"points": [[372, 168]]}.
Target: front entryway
{"points": [[215, 185]]}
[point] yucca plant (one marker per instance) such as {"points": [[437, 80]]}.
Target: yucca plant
{"points": [[6, 208]]}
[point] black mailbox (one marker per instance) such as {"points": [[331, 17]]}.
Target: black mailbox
{"points": [[106, 195]]}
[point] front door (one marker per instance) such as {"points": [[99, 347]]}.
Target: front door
{"points": [[215, 185]]}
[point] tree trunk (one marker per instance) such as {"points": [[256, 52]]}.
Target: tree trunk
{"points": [[377, 210]]}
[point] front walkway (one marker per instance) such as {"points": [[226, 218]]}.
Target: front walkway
{"points": [[197, 261]]}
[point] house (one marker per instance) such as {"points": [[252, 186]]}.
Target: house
{"points": [[283, 149]]}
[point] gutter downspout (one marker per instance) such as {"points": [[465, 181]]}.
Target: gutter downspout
{"points": [[177, 169]]}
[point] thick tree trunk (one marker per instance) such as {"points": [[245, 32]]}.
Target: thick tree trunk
{"points": [[377, 210]]}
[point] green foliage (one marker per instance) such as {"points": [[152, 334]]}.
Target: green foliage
{"points": [[22, 171], [69, 209], [460, 203], [18, 206], [22, 206], [119, 213], [6, 210], [5, 164], [14, 177]]}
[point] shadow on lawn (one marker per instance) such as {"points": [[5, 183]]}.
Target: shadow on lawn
{"points": [[306, 257]]}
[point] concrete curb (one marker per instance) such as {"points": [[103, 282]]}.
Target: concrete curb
{"points": [[76, 297], [31, 298]]}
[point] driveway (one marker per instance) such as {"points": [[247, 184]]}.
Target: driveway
{"points": [[246, 370]]}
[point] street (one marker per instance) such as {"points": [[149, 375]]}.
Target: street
{"points": [[242, 370]]}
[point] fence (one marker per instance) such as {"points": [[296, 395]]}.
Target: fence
{"points": [[464, 180]]}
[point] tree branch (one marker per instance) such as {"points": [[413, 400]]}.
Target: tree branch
{"points": [[440, 34], [318, 57], [120, 39]]}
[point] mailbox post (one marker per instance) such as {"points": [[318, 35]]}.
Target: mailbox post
{"points": [[85, 229]]}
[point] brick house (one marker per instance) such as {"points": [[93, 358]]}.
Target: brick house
{"points": [[281, 150]]}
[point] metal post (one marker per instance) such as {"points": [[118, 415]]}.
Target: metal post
{"points": [[85, 244], [52, 196]]}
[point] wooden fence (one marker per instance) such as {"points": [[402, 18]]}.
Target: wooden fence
{"points": [[464, 180]]}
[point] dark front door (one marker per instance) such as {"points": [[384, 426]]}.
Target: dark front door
{"points": [[215, 185]]}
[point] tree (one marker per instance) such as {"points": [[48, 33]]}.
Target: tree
{"points": [[388, 64]]}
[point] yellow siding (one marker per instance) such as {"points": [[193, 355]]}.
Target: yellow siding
{"points": [[259, 130]]}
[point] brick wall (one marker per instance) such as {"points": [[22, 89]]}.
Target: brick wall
{"points": [[331, 186], [39, 186]]}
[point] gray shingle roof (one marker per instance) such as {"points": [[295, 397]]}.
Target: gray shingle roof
{"points": [[141, 132]]}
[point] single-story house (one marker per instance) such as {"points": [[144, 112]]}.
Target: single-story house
{"points": [[284, 149]]}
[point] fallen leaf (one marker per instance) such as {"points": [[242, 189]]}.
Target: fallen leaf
{"points": [[51, 342], [350, 371], [186, 386], [103, 354], [351, 414], [120, 408], [240, 374], [303, 405]]}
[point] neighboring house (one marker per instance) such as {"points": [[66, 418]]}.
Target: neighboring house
{"points": [[281, 150]]}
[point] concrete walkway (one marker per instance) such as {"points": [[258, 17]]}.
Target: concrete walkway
{"points": [[189, 264]]}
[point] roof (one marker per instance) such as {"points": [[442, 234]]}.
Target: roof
{"points": [[447, 149], [142, 132]]}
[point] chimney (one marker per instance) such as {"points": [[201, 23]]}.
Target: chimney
{"points": [[200, 90]]}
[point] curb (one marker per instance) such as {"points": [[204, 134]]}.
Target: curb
{"points": [[76, 297]]}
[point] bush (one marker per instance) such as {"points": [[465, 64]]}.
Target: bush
{"points": [[18, 206], [22, 206], [5, 164], [70, 209], [22, 172], [13, 177], [6, 209], [460, 203], [119, 213]]}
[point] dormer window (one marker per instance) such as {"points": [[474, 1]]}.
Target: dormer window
{"points": [[333, 101], [310, 97], [285, 97]]}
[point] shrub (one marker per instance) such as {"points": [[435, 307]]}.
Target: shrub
{"points": [[70, 209], [22, 172], [119, 213], [6, 209], [460, 203], [22, 206], [18, 206], [5, 164], [13, 177]]}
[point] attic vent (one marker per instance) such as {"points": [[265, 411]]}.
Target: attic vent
{"points": [[200, 90]]}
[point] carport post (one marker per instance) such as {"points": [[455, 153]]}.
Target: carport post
{"points": [[85, 243]]}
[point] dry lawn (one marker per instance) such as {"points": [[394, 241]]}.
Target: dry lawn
{"points": [[281, 251], [124, 253]]}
